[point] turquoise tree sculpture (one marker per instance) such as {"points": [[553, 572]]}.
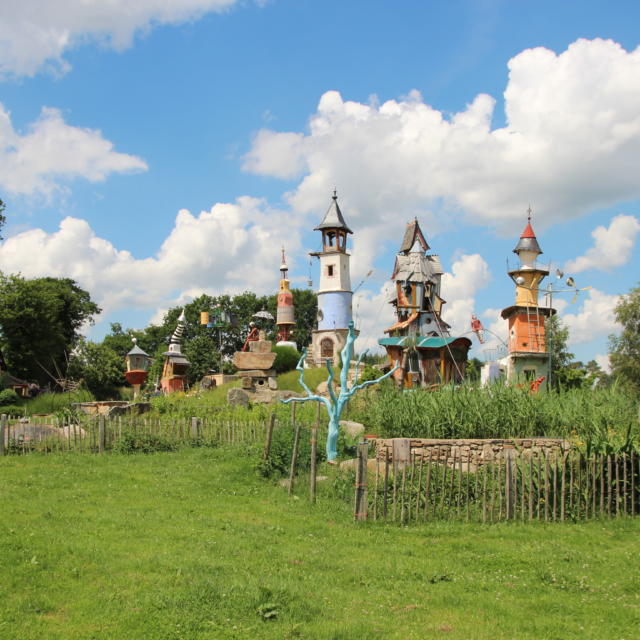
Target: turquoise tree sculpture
{"points": [[334, 404]]}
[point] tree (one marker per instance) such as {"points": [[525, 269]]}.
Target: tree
{"points": [[40, 322], [557, 336], [99, 367], [624, 349], [2, 216]]}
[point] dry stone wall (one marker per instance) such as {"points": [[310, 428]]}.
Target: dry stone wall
{"points": [[471, 453]]}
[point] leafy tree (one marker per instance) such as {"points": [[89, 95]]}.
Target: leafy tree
{"points": [[557, 336], [40, 322], [3, 219], [99, 367], [472, 369], [624, 350]]}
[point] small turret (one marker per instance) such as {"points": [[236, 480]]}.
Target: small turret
{"points": [[174, 371]]}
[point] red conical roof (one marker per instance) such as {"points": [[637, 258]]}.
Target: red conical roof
{"points": [[528, 231], [528, 240]]}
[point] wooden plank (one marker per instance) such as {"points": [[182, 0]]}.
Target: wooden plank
{"points": [[101, 434], [361, 501], [500, 484], [509, 484], [563, 477], [493, 489], [394, 497], [3, 430], [427, 494], [402, 494], [268, 439], [444, 485], [419, 490], [386, 484], [555, 486], [616, 463], [294, 453], [530, 486], [375, 498], [578, 482], [313, 474], [594, 487], [459, 494], [609, 485], [484, 493], [587, 488], [600, 458], [625, 490], [633, 484]]}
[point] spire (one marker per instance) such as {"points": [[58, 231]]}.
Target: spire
{"points": [[412, 234], [283, 265], [176, 338], [333, 218], [528, 240]]}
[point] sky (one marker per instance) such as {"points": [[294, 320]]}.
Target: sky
{"points": [[160, 149]]}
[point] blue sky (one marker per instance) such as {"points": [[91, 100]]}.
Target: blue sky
{"points": [[156, 150]]}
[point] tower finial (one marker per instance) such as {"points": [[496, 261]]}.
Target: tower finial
{"points": [[529, 212], [335, 193]]}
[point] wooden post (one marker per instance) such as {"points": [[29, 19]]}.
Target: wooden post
{"points": [[562, 487], [360, 506], [102, 434], [314, 454], [386, 484], [609, 485], [3, 430], [633, 484], [195, 428], [267, 443], [510, 483], [294, 453]]}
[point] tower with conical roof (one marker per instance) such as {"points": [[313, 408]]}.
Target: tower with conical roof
{"points": [[528, 358], [174, 370], [285, 317], [334, 293]]}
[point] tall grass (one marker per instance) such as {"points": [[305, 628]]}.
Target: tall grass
{"points": [[603, 420], [54, 402]]}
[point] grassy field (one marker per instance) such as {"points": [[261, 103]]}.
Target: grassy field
{"points": [[192, 544]]}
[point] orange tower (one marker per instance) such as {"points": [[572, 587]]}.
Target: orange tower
{"points": [[528, 359], [285, 318]]}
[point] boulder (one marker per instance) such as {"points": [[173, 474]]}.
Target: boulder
{"points": [[237, 398], [354, 429], [248, 360], [260, 346], [285, 394]]}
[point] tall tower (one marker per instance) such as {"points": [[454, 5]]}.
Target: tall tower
{"points": [[528, 358], [174, 369], [285, 318], [334, 293]]}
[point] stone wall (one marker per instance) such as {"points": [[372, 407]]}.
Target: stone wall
{"points": [[472, 453]]}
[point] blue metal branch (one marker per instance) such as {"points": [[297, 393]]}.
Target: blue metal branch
{"points": [[370, 382], [330, 389]]}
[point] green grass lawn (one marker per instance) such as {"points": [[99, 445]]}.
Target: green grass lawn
{"points": [[193, 545]]}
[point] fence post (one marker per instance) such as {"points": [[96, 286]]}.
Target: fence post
{"points": [[294, 453], [195, 428], [314, 452], [102, 434], [267, 443], [510, 482], [360, 506], [3, 429]]}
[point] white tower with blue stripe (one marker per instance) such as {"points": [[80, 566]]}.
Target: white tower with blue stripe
{"points": [[334, 293]]}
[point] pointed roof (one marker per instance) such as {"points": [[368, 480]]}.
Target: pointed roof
{"points": [[136, 351], [528, 240], [333, 218], [412, 234]]}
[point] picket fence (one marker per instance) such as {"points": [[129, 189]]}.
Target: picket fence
{"points": [[543, 487], [98, 434]]}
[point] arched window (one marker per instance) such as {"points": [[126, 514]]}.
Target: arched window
{"points": [[326, 348]]}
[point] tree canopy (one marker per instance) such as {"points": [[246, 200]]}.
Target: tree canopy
{"points": [[40, 322], [625, 348]]}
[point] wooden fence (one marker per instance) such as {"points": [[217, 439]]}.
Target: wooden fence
{"points": [[550, 488], [97, 434]]}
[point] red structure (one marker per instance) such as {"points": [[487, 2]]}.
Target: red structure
{"points": [[285, 317]]}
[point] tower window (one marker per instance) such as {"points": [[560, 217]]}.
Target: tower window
{"points": [[330, 270]]}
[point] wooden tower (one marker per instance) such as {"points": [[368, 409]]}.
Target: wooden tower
{"points": [[528, 358]]}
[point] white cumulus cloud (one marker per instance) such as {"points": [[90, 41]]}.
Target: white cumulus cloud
{"points": [[595, 318], [571, 144], [52, 151], [612, 248], [228, 249], [36, 33]]}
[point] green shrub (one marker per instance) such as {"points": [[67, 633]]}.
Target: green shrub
{"points": [[143, 443], [8, 396], [12, 410], [286, 359]]}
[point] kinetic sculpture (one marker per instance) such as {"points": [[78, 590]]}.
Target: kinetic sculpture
{"points": [[334, 404]]}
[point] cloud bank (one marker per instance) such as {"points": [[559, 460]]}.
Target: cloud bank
{"points": [[36, 34], [567, 148], [51, 152]]}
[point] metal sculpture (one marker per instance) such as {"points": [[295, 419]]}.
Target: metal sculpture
{"points": [[334, 404]]}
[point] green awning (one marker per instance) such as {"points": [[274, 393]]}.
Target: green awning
{"points": [[422, 342]]}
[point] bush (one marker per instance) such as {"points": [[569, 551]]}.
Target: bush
{"points": [[12, 410], [286, 359], [143, 443], [8, 396]]}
